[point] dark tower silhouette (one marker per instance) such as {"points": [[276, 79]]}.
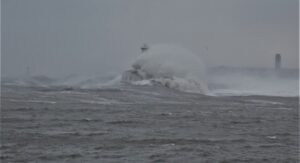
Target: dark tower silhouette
{"points": [[277, 61], [144, 48], [28, 71]]}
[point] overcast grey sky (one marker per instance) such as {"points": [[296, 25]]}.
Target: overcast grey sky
{"points": [[60, 37]]}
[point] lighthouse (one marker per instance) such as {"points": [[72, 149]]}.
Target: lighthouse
{"points": [[277, 61], [144, 48]]}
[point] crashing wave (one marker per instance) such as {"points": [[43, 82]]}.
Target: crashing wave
{"points": [[169, 66]]}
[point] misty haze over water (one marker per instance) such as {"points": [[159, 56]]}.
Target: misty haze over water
{"points": [[61, 37], [149, 81]]}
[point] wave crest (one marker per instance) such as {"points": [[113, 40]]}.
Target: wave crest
{"points": [[170, 66]]}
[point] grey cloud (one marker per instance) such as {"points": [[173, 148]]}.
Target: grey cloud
{"points": [[60, 37]]}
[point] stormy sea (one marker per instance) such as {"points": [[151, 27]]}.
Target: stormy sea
{"points": [[158, 110]]}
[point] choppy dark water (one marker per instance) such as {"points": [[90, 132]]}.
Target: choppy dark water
{"points": [[145, 124]]}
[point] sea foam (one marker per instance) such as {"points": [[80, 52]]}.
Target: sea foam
{"points": [[170, 66]]}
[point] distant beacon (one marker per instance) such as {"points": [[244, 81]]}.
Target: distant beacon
{"points": [[28, 71], [144, 48], [277, 61]]}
